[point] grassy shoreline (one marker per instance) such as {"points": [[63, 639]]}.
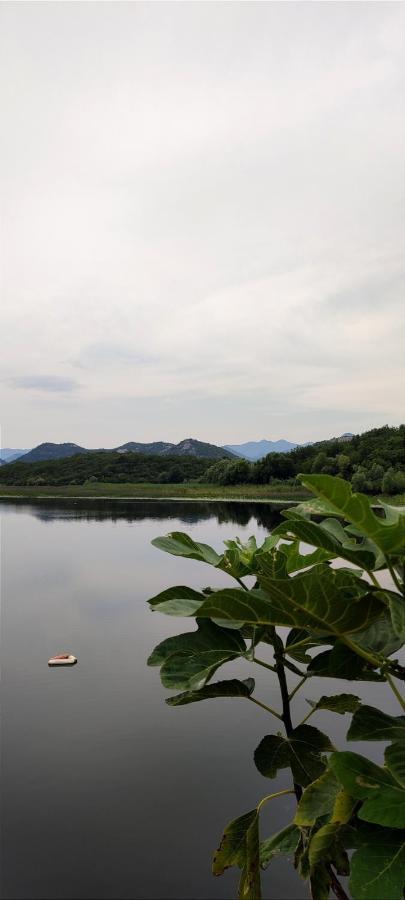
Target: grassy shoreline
{"points": [[148, 491], [262, 493]]}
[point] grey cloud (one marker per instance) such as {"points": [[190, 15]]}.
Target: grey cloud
{"points": [[51, 383], [101, 354]]}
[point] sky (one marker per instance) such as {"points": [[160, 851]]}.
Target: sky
{"points": [[202, 220]]}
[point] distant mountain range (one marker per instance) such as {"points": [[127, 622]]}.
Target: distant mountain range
{"points": [[10, 455], [188, 447], [251, 450]]}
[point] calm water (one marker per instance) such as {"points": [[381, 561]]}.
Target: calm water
{"points": [[107, 792]]}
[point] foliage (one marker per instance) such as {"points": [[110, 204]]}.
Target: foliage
{"points": [[106, 466], [352, 627]]}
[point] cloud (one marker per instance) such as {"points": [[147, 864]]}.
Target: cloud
{"points": [[205, 213], [51, 383]]}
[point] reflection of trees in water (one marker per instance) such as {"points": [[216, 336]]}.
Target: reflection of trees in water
{"points": [[189, 513]]}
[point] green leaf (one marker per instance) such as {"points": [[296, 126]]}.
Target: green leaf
{"points": [[397, 610], [189, 660], [177, 601], [295, 636], [240, 847], [333, 540], [301, 751], [322, 599], [318, 799], [340, 662], [180, 544], [379, 637], [378, 868], [370, 724], [388, 533], [326, 847], [395, 760], [297, 561], [281, 844], [231, 688], [339, 703], [384, 799]]}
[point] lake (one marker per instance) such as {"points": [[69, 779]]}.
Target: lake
{"points": [[106, 791]]}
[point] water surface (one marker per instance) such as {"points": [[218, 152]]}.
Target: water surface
{"points": [[107, 792]]}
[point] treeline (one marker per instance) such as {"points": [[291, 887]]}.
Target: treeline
{"points": [[374, 462], [111, 467]]}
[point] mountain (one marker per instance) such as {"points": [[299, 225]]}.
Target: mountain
{"points": [[8, 454], [156, 447], [192, 447], [253, 450], [53, 451], [188, 447]]}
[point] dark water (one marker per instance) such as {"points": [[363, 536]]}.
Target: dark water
{"points": [[106, 791]]}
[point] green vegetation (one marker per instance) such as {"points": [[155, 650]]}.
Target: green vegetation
{"points": [[374, 462], [354, 628], [111, 467], [190, 490]]}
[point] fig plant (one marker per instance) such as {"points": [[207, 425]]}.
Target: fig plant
{"points": [[343, 623]]}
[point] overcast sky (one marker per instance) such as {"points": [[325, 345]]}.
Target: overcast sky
{"points": [[203, 220]]}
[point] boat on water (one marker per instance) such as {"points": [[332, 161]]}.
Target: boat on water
{"points": [[62, 659]]}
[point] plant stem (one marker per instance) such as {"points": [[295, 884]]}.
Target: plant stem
{"points": [[268, 708], [297, 687], [396, 581], [308, 716], [265, 665], [374, 580], [239, 580], [279, 660], [272, 797], [289, 665], [395, 690], [336, 886]]}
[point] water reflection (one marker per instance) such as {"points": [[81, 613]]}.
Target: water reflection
{"points": [[106, 791], [188, 512]]}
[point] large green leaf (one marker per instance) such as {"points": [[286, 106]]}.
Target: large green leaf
{"points": [[318, 799], [341, 662], [378, 867], [371, 724], [231, 688], [397, 609], [383, 797], [180, 544], [240, 847], [322, 599], [297, 561], [326, 847], [189, 660], [301, 751], [283, 843], [333, 542], [379, 637], [388, 533], [338, 703], [177, 601], [395, 760]]}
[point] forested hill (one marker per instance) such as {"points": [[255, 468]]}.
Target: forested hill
{"points": [[373, 461], [108, 466], [187, 447]]}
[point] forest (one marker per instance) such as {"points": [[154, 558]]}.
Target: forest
{"points": [[374, 462]]}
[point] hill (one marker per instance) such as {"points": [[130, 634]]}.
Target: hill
{"points": [[374, 462], [253, 450], [187, 447], [53, 451], [9, 454], [106, 465]]}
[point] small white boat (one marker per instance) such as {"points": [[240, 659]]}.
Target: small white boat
{"points": [[62, 659]]}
